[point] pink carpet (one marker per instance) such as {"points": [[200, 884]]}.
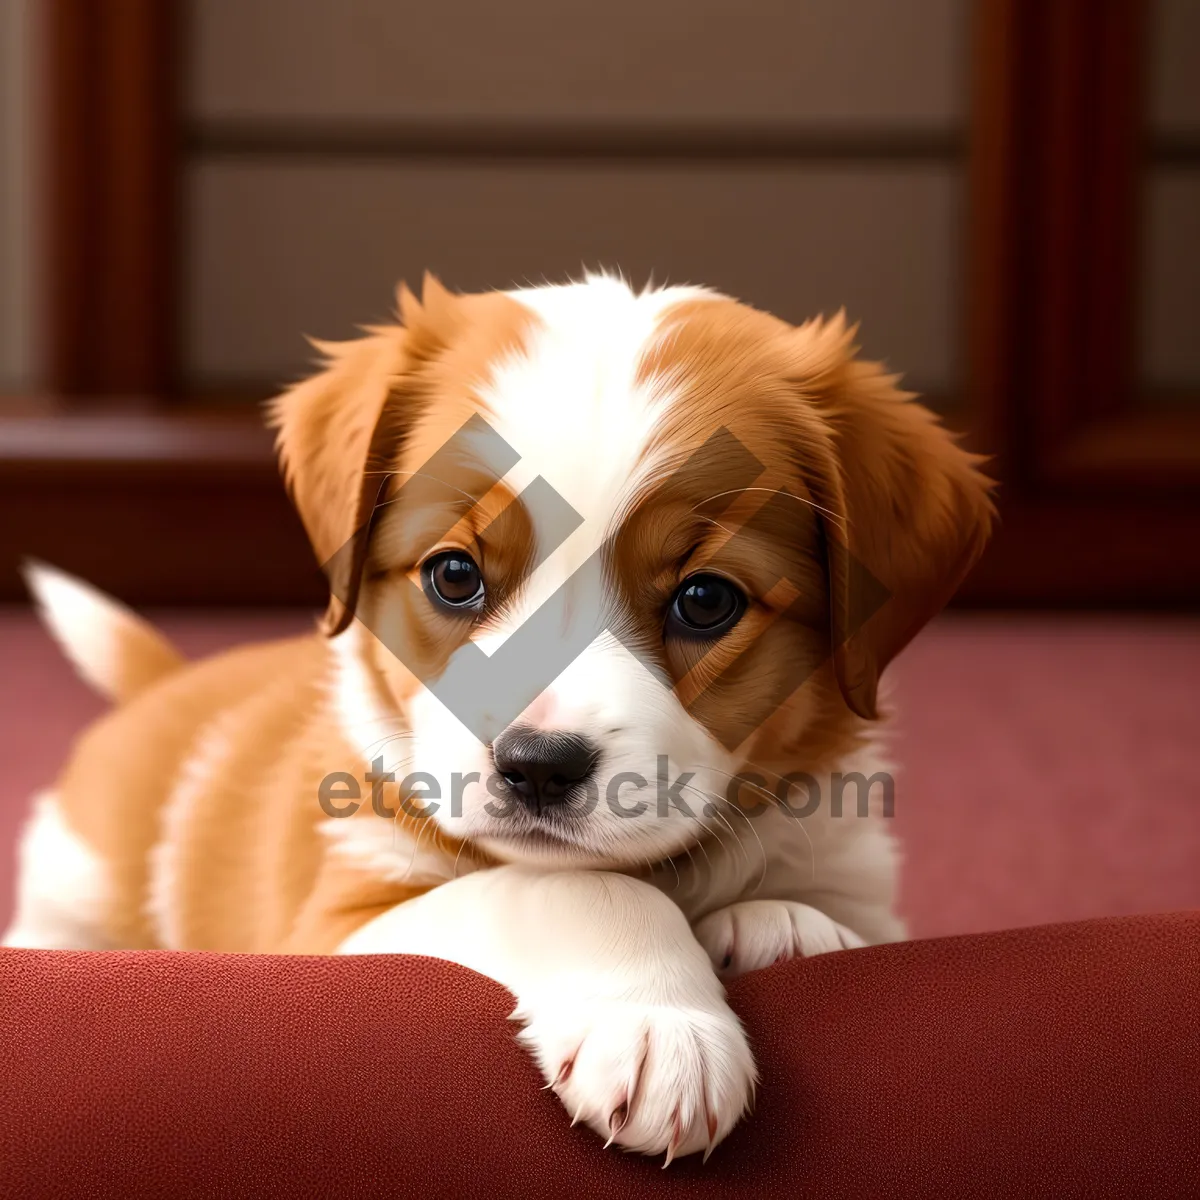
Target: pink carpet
{"points": [[1047, 761]]}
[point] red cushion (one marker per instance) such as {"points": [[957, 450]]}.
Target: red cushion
{"points": [[1059, 1061]]}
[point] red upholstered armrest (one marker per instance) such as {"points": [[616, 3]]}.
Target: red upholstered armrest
{"points": [[1062, 1061]]}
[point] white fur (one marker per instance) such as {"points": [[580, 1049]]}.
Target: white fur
{"points": [[608, 979], [611, 944], [614, 974], [94, 631], [378, 847], [64, 887], [366, 718], [162, 902], [753, 934], [377, 731], [845, 865], [573, 406]]}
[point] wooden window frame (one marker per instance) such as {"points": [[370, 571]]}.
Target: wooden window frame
{"points": [[108, 472], [110, 179], [160, 498], [1098, 493]]}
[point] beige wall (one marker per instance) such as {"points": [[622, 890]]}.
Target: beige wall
{"points": [[1170, 307], [282, 250], [283, 244], [16, 201], [779, 61], [1174, 94]]}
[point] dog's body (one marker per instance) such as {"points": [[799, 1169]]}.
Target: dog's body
{"points": [[190, 817]]}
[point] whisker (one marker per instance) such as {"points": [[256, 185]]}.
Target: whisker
{"points": [[741, 780], [761, 848], [412, 862], [707, 796], [425, 821], [769, 797], [376, 720], [812, 850], [737, 840], [653, 866], [462, 845], [714, 833], [723, 528], [652, 869], [703, 849], [694, 873], [778, 492], [417, 475], [387, 740], [404, 760], [716, 801]]}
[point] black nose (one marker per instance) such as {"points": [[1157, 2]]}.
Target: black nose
{"points": [[542, 768]]}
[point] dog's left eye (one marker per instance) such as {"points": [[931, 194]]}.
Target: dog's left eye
{"points": [[705, 606], [453, 580]]}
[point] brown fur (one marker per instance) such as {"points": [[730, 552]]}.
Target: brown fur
{"points": [[874, 481], [251, 870], [884, 488]]}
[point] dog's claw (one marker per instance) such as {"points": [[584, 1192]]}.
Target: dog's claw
{"points": [[616, 1121], [673, 1144], [711, 1121], [564, 1073]]}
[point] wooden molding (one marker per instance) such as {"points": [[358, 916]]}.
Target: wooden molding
{"points": [[1088, 551], [340, 139], [187, 507], [1155, 453], [156, 507]]}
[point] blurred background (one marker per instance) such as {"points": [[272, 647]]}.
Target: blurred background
{"points": [[1005, 193]]}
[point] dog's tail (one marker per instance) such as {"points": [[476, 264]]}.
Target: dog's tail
{"points": [[111, 647]]}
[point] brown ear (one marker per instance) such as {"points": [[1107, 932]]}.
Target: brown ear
{"points": [[338, 434], [909, 510]]}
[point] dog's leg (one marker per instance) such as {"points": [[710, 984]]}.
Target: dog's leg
{"points": [[621, 1007], [63, 887], [753, 934]]}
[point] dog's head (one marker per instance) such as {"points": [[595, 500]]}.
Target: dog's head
{"points": [[598, 551]]}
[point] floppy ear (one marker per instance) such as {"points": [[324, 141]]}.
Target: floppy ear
{"points": [[338, 434], [910, 511]]}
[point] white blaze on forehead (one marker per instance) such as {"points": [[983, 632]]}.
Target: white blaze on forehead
{"points": [[572, 405]]}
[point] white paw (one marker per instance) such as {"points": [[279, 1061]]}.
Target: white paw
{"points": [[654, 1078], [754, 934]]}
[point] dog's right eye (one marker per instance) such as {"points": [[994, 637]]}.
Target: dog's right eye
{"points": [[453, 580]]}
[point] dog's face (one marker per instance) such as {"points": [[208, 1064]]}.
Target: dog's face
{"points": [[606, 551]]}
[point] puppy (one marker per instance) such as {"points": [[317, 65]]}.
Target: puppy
{"points": [[613, 580]]}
